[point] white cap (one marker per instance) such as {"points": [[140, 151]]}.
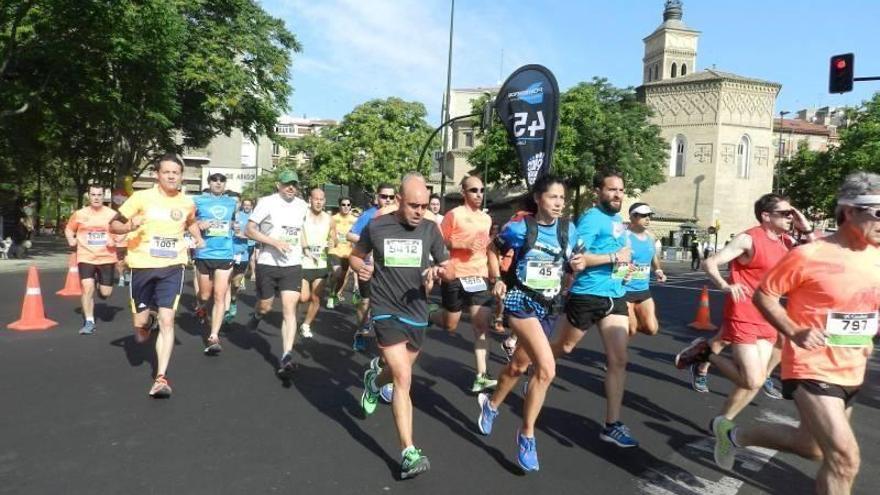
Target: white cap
{"points": [[641, 209]]}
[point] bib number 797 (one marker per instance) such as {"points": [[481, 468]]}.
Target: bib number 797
{"points": [[520, 120]]}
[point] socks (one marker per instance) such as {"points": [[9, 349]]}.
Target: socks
{"points": [[404, 451]]}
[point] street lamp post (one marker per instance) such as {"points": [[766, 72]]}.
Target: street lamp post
{"points": [[444, 117], [782, 114]]}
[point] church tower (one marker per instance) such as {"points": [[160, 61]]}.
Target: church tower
{"points": [[671, 50]]}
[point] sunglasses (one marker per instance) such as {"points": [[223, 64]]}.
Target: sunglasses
{"points": [[476, 190], [870, 210], [345, 204], [217, 179], [783, 213], [386, 196]]}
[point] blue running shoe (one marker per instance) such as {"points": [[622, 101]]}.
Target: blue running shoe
{"points": [[360, 342], [619, 435], [88, 328], [699, 381], [527, 455], [386, 392], [487, 414]]}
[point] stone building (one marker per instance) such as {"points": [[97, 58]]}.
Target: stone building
{"points": [[719, 127]]}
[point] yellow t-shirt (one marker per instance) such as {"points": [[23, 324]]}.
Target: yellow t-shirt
{"points": [[159, 241], [343, 225]]}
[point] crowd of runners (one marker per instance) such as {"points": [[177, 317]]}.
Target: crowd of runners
{"points": [[547, 278]]}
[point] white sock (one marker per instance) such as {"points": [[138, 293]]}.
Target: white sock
{"points": [[404, 451], [90, 320]]}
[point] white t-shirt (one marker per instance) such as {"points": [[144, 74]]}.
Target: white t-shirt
{"points": [[283, 220]]}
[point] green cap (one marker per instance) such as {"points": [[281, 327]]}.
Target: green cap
{"points": [[288, 176]]}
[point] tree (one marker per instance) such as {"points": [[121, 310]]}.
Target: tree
{"points": [[379, 141], [599, 126]]}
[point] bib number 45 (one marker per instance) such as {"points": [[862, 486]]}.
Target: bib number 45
{"points": [[521, 125]]}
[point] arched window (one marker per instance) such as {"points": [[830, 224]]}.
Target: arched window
{"points": [[677, 156], [743, 157], [684, 69], [673, 71]]}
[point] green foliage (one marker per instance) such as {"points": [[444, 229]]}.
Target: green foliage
{"points": [[811, 178], [379, 141], [600, 127]]}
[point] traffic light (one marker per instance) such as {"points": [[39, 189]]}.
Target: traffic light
{"points": [[840, 75]]}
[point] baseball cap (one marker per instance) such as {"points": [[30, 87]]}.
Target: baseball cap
{"points": [[288, 176], [641, 209], [217, 176]]}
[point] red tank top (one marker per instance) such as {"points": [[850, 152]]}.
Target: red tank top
{"points": [[767, 253]]}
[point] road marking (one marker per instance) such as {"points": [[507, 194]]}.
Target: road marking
{"points": [[669, 479]]}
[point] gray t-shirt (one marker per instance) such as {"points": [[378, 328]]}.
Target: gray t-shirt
{"points": [[400, 253]]}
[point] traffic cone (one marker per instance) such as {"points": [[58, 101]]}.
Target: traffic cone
{"points": [[33, 317], [703, 320], [72, 286]]}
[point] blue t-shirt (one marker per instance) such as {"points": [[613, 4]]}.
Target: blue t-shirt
{"points": [[601, 233], [541, 268], [642, 254], [240, 246], [219, 210], [363, 220]]}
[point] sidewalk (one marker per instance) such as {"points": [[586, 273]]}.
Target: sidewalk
{"points": [[47, 253]]}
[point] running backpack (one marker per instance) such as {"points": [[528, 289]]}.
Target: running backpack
{"points": [[511, 257]]}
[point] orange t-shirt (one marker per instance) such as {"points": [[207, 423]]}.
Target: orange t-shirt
{"points": [[94, 242], [461, 224], [832, 288]]}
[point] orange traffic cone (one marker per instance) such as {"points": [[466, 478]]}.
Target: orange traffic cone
{"points": [[703, 321], [33, 317], [72, 286]]}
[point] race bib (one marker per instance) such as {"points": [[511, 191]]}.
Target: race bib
{"points": [[851, 329], [473, 284], [96, 238], [237, 258], [403, 253], [620, 271], [543, 275], [163, 247], [289, 235], [340, 238], [317, 252], [218, 228], [641, 272]]}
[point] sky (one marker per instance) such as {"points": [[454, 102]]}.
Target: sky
{"points": [[357, 50]]}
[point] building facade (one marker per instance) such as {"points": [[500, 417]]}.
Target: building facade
{"points": [[290, 128]]}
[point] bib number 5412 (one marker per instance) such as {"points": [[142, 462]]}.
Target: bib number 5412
{"points": [[520, 121]]}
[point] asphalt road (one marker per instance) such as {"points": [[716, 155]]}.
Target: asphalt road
{"points": [[76, 417]]}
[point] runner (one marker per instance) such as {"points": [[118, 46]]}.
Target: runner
{"points": [[88, 230], [342, 222], [529, 296], [466, 233], [642, 317], [597, 298], [276, 223], [384, 197], [242, 249], [434, 207], [214, 212], [320, 233], [156, 219], [833, 291], [121, 243], [399, 244], [751, 254]]}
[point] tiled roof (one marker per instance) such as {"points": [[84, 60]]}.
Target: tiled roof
{"points": [[710, 75], [797, 126]]}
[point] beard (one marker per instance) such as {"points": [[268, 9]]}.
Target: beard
{"points": [[607, 206]]}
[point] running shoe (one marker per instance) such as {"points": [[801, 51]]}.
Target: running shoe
{"points": [[254, 322], [482, 382], [770, 389], [121, 282], [88, 328], [527, 452], [287, 366], [509, 346], [433, 307], [161, 389], [413, 463], [697, 352], [699, 380], [331, 302], [369, 399], [213, 348], [725, 452], [306, 331], [202, 315], [619, 435], [387, 393], [360, 342], [487, 415], [376, 364]]}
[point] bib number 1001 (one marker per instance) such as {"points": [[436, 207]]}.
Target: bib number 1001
{"points": [[521, 124]]}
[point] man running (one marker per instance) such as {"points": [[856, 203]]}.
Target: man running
{"points": [[384, 197], [399, 243], [642, 317], [466, 233], [277, 223], [338, 255], [752, 339], [434, 207], [88, 230], [597, 298], [215, 211], [320, 234], [833, 291], [242, 249], [157, 253]]}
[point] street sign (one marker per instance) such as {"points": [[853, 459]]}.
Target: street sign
{"points": [[712, 230]]}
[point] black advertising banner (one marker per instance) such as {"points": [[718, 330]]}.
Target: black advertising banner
{"points": [[528, 105]]}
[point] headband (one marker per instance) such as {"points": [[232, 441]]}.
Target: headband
{"points": [[861, 200]]}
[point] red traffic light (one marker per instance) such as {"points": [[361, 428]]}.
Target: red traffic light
{"points": [[840, 76], [840, 64]]}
